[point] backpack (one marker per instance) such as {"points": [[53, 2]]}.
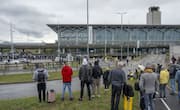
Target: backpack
{"points": [[41, 76], [96, 72], [86, 73], [128, 90], [106, 74], [136, 86], [172, 71]]}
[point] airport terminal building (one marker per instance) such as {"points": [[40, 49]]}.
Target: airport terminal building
{"points": [[114, 39]]}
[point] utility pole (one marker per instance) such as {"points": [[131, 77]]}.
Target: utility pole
{"points": [[105, 43], [12, 45], [121, 13], [58, 43], [87, 28]]}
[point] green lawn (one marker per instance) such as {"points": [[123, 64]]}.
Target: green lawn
{"points": [[28, 77], [102, 103]]}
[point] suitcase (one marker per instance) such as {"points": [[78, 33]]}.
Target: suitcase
{"points": [[51, 96]]}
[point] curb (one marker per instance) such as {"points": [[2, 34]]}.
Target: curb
{"points": [[25, 82]]}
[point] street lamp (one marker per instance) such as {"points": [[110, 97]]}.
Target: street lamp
{"points": [[121, 13], [58, 43], [58, 33], [105, 43], [87, 28], [12, 45]]}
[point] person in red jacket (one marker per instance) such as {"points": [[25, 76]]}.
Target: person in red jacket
{"points": [[66, 73]]}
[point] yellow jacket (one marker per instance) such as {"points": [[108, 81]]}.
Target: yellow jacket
{"points": [[164, 76]]}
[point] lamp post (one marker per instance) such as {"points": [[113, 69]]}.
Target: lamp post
{"points": [[58, 43], [87, 28], [12, 45], [105, 43], [121, 13], [58, 35]]}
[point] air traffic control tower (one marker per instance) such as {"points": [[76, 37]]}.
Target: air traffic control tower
{"points": [[154, 16]]}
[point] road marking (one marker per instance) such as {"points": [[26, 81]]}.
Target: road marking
{"points": [[165, 104]]}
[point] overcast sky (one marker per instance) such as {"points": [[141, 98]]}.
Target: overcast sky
{"points": [[29, 17]]}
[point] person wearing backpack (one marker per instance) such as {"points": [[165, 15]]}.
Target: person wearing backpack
{"points": [[117, 78], [66, 73], [177, 77], [40, 76], [85, 76], [96, 75]]}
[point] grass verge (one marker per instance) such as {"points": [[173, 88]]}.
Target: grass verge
{"points": [[102, 103], [22, 78]]}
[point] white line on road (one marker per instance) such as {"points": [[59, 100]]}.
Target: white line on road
{"points": [[165, 104]]}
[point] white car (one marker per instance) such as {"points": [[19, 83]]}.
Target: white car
{"points": [[11, 61], [14, 61], [23, 60], [57, 59]]}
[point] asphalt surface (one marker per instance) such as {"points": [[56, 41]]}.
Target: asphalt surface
{"points": [[172, 101], [13, 91]]}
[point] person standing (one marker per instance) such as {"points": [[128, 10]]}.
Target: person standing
{"points": [[105, 78], [173, 59], [172, 73], [66, 73], [163, 80], [117, 78], [178, 61], [96, 75], [141, 93], [127, 60], [85, 76], [159, 67], [148, 84], [177, 77], [40, 76]]}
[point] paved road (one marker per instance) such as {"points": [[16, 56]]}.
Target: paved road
{"points": [[29, 89], [171, 103]]}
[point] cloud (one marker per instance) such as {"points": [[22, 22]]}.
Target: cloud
{"points": [[26, 20], [31, 16]]}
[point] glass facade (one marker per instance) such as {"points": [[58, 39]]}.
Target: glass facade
{"points": [[116, 36], [74, 35]]}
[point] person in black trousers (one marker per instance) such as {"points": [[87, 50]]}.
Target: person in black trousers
{"points": [[40, 76], [105, 79], [117, 79], [85, 76]]}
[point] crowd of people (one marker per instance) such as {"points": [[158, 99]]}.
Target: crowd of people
{"points": [[151, 81]]}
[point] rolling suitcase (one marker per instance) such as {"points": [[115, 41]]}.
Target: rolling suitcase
{"points": [[51, 96]]}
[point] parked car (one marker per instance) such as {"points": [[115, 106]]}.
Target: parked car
{"points": [[23, 60], [14, 61]]}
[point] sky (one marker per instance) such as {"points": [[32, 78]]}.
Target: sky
{"points": [[29, 18]]}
